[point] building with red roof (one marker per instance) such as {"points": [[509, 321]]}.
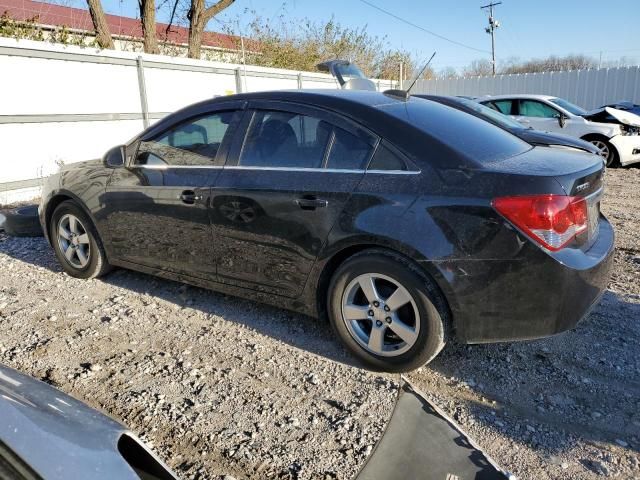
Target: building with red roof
{"points": [[126, 31]]}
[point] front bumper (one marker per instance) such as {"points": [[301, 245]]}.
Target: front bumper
{"points": [[628, 147], [535, 295]]}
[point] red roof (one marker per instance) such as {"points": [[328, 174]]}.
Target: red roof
{"points": [[79, 18]]}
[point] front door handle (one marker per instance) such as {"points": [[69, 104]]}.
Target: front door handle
{"points": [[189, 197], [311, 203]]}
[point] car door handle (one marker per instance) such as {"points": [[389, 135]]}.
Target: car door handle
{"points": [[189, 197], [311, 203]]}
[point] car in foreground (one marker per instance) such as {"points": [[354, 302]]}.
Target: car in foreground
{"points": [[617, 140], [402, 220], [528, 134], [46, 435]]}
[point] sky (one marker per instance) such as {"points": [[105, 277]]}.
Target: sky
{"points": [[528, 28]]}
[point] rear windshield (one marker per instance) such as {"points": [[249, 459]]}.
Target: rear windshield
{"points": [[476, 139]]}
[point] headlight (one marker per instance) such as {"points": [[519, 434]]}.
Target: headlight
{"points": [[629, 130]]}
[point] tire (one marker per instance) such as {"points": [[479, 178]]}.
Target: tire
{"points": [[425, 313], [87, 248], [23, 222], [611, 158]]}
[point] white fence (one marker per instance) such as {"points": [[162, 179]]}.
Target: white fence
{"points": [[66, 104], [587, 88]]}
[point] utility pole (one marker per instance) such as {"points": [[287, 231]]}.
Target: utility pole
{"points": [[493, 24]]}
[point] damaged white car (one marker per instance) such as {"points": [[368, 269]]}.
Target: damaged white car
{"points": [[616, 133]]}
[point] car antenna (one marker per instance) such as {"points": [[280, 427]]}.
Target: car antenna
{"points": [[406, 93]]}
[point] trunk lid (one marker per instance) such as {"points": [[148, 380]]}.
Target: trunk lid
{"points": [[579, 175]]}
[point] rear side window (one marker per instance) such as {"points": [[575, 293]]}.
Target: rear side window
{"points": [[192, 143], [285, 139], [385, 159], [279, 139], [503, 106], [348, 151]]}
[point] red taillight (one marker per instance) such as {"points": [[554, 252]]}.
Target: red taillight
{"points": [[551, 220]]}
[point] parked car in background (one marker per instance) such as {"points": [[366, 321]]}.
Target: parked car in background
{"points": [[528, 134], [618, 139], [46, 435], [402, 220]]}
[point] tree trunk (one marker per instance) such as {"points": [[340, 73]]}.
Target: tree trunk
{"points": [[148, 18], [199, 16], [100, 25]]}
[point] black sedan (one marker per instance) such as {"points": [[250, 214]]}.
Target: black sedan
{"points": [[402, 220], [529, 135]]}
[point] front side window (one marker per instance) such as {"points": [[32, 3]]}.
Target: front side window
{"points": [[533, 108], [277, 139], [192, 143]]}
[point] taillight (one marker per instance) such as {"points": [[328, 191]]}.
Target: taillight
{"points": [[551, 220]]}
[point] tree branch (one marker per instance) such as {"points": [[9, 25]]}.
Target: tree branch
{"points": [[214, 9]]}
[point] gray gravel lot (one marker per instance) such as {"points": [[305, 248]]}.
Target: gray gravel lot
{"points": [[219, 385]]}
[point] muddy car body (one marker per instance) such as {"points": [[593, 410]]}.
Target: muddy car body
{"points": [[364, 207]]}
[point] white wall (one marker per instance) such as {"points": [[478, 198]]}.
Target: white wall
{"points": [[587, 88], [45, 88]]}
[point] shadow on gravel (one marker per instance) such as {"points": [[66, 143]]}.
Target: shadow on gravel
{"points": [[297, 330], [545, 393]]}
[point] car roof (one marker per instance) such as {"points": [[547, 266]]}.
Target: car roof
{"points": [[515, 95], [388, 116]]}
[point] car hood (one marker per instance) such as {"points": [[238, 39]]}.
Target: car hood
{"points": [[81, 165], [538, 137], [58, 436], [613, 115]]}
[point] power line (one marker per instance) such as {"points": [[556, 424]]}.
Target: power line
{"points": [[386, 12]]}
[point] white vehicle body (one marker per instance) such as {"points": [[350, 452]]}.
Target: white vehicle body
{"points": [[553, 114]]}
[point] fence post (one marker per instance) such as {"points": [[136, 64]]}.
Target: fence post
{"points": [[238, 80], [299, 80], [143, 92]]}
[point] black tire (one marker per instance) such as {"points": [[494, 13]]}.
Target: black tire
{"points": [[97, 264], [23, 222], [433, 312]]}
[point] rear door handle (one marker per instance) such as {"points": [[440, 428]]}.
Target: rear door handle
{"points": [[311, 203], [189, 197]]}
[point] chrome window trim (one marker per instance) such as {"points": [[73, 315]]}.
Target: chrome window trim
{"points": [[277, 169]]}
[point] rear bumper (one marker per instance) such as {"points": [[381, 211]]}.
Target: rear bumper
{"points": [[628, 147], [534, 295]]}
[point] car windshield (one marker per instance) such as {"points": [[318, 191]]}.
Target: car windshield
{"points": [[568, 106], [500, 118]]}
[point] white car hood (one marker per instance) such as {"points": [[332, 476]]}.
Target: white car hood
{"points": [[627, 118]]}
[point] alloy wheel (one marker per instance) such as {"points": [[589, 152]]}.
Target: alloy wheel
{"points": [[603, 149], [73, 241], [380, 314]]}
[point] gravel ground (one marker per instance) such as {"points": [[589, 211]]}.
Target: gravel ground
{"points": [[567, 406], [221, 386], [216, 385]]}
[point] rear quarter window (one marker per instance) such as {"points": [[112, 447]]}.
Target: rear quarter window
{"points": [[476, 139]]}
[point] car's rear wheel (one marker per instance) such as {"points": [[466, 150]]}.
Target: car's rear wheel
{"points": [[386, 311], [76, 242]]}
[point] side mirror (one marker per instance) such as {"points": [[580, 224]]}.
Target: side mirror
{"points": [[114, 158], [562, 120]]}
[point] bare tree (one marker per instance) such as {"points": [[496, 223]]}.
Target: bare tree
{"points": [[199, 15], [478, 68], [100, 25], [148, 18]]}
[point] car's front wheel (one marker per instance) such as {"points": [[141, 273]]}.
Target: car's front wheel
{"points": [[76, 242], [607, 151], [386, 311]]}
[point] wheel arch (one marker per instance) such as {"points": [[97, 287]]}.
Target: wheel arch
{"points": [[55, 200], [337, 258]]}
